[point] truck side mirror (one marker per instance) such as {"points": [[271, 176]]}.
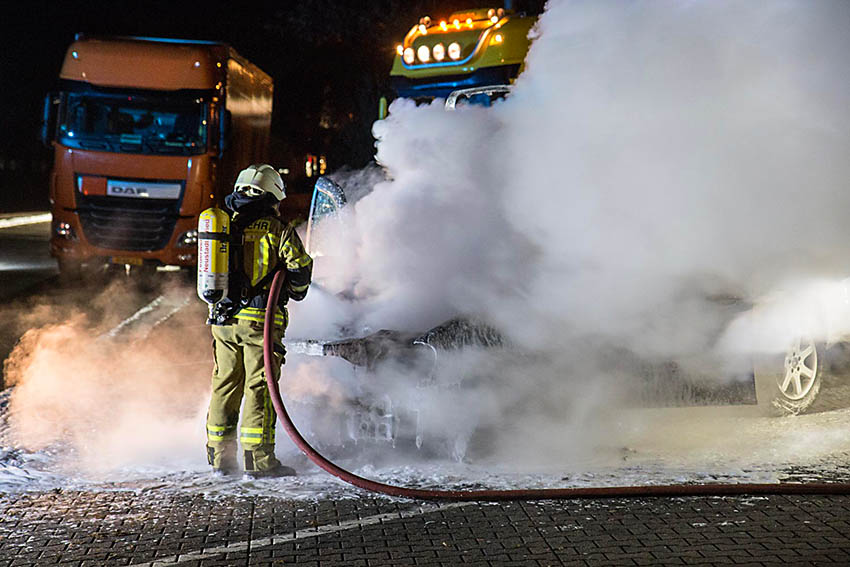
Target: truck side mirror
{"points": [[224, 131], [48, 119]]}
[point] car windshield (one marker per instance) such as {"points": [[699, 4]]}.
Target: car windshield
{"points": [[480, 99], [134, 124], [328, 199]]}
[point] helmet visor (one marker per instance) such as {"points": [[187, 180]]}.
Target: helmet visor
{"points": [[250, 191]]}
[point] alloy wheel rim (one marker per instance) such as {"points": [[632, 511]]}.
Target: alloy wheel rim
{"points": [[801, 370]]}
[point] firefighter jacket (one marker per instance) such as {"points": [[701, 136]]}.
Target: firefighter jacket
{"points": [[267, 241]]}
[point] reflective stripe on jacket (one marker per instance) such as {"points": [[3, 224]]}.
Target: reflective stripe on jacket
{"points": [[267, 242]]}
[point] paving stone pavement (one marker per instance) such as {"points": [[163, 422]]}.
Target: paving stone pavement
{"points": [[147, 528]]}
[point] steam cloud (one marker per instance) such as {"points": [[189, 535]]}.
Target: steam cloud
{"points": [[137, 397], [654, 156]]}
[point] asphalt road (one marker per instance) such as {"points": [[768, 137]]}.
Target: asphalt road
{"points": [[25, 260], [146, 530]]}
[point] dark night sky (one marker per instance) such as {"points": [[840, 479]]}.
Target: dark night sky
{"points": [[328, 58]]}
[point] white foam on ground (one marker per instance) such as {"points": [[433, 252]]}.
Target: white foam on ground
{"points": [[667, 446]]}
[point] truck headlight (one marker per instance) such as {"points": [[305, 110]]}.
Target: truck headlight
{"points": [[65, 231], [423, 53], [454, 50], [439, 52], [187, 239], [409, 56]]}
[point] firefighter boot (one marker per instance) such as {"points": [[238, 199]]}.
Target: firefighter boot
{"points": [[222, 457], [261, 463]]}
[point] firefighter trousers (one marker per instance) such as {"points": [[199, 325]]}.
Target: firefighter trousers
{"points": [[239, 370]]}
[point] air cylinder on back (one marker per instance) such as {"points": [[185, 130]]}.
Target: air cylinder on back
{"points": [[213, 255]]}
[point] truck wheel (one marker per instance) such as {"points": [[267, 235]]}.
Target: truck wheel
{"points": [[70, 270], [788, 384], [144, 276]]}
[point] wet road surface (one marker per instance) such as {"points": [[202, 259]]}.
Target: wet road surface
{"points": [[144, 529], [24, 257]]}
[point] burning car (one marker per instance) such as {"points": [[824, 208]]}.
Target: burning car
{"points": [[787, 383]]}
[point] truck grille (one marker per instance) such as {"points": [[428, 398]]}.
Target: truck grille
{"points": [[121, 223]]}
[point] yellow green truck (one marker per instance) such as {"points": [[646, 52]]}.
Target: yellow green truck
{"points": [[468, 49]]}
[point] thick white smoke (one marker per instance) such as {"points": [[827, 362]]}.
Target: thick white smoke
{"points": [[652, 154], [681, 149], [654, 157]]}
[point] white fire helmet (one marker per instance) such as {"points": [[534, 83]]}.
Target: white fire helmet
{"points": [[255, 180]]}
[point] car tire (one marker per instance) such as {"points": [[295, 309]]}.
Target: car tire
{"points": [[789, 383]]}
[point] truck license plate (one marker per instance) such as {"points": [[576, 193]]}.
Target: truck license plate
{"points": [[142, 189], [126, 260]]}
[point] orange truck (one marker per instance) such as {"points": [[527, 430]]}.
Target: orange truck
{"points": [[146, 134]]}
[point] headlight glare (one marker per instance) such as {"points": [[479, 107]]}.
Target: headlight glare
{"points": [[454, 50], [409, 56], [187, 239], [439, 52], [65, 231], [423, 53]]}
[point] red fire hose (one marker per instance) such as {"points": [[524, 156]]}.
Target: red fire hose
{"points": [[497, 495]]}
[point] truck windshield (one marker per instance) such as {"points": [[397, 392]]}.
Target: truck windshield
{"points": [[133, 124]]}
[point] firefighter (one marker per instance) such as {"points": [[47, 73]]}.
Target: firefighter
{"points": [[261, 244]]}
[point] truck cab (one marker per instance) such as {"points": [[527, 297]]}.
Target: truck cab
{"points": [[147, 133], [469, 49]]}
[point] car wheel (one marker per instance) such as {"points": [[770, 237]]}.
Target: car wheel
{"points": [[790, 383]]}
